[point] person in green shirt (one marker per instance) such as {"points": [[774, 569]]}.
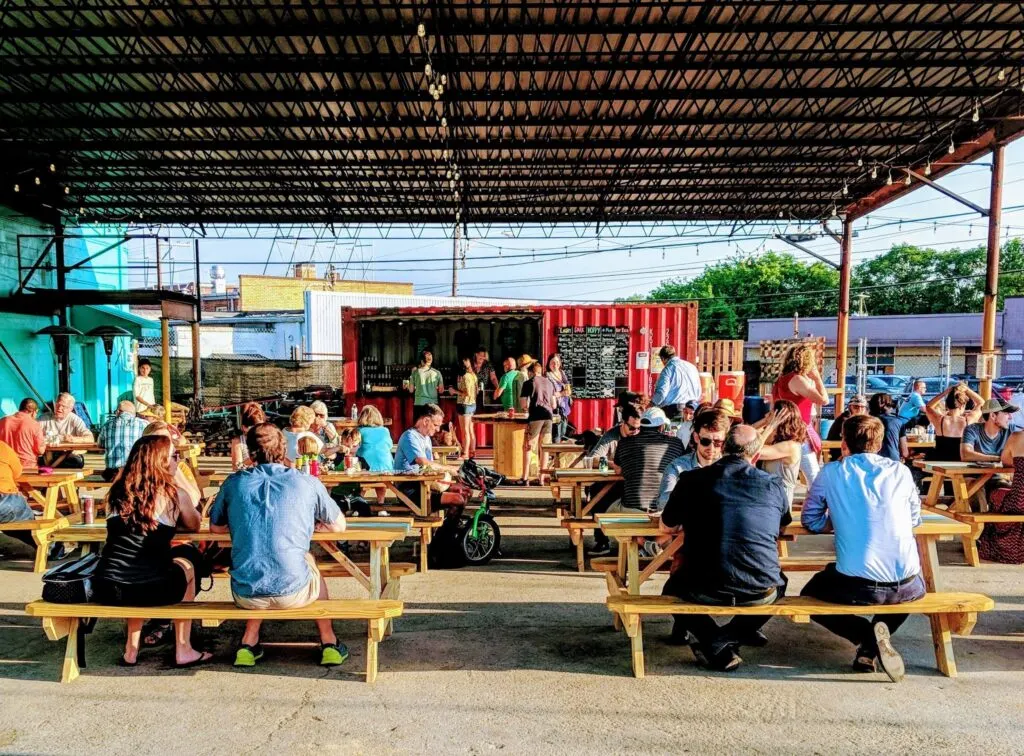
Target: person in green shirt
{"points": [[426, 383], [506, 390]]}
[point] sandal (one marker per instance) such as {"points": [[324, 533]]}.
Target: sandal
{"points": [[204, 656], [122, 662], [155, 632]]}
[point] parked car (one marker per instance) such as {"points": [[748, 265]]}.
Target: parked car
{"points": [[898, 384], [934, 385], [873, 385]]}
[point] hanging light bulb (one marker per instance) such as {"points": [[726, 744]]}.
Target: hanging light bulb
{"points": [[976, 115], [81, 211], [432, 89], [444, 154], [874, 171], [444, 122], [860, 162], [458, 175], [952, 147], [1001, 75], [928, 168], [888, 179], [17, 188], [421, 31], [38, 181], [444, 80], [781, 214], [67, 190], [53, 168], [440, 90], [906, 179], [427, 70], [448, 174], [846, 189], [451, 184]]}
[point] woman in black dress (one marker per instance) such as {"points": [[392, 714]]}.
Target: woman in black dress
{"points": [[137, 566]]}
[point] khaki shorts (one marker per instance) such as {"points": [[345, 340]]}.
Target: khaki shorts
{"points": [[538, 428], [303, 597]]}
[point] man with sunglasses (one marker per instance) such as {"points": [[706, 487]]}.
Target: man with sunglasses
{"points": [[605, 449], [709, 430]]}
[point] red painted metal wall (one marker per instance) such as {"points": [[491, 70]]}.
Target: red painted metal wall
{"points": [[651, 326]]}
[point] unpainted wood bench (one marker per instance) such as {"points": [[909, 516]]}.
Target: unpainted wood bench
{"points": [[978, 521], [64, 620], [948, 613]]}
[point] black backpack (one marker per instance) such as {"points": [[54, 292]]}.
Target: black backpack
{"points": [[71, 582]]}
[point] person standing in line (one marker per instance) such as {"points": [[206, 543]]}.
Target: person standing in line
{"points": [[537, 398], [801, 384], [506, 386], [563, 396], [465, 407], [486, 379], [426, 383], [678, 383]]}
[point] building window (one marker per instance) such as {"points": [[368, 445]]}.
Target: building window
{"points": [[881, 360]]}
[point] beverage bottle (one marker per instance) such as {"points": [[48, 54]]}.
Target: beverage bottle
{"points": [[314, 468], [355, 412], [604, 465], [931, 433]]}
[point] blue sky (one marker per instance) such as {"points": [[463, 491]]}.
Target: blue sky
{"points": [[574, 265]]}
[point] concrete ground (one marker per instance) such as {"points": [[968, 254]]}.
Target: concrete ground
{"points": [[517, 657]]}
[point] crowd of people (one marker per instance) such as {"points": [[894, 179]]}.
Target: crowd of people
{"points": [[728, 485]]}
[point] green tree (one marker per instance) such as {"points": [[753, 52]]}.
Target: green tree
{"points": [[772, 285]]}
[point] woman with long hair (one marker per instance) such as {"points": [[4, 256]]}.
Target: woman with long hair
{"points": [[949, 416], [1004, 541], [251, 415], [137, 566], [465, 407], [783, 449], [563, 396], [801, 384]]}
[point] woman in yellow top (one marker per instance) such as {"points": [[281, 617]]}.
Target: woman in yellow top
{"points": [[465, 407], [13, 504]]}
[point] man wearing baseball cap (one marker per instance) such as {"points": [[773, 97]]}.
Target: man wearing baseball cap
{"points": [[984, 441], [643, 459]]}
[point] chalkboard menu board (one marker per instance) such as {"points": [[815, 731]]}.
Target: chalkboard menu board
{"points": [[596, 359]]}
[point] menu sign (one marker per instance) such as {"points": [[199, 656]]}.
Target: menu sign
{"points": [[596, 359]]}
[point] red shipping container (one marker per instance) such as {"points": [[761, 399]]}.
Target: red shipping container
{"points": [[650, 326]]}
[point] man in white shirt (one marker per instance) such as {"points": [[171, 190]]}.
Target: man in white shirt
{"points": [[873, 505], [63, 426]]}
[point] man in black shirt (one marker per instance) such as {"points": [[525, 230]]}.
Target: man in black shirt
{"points": [[538, 399], [731, 513], [858, 405]]}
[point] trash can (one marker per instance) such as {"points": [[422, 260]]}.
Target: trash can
{"points": [[754, 408]]}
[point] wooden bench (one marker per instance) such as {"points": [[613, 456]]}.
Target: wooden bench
{"points": [[977, 521], [40, 529], [948, 613], [64, 620], [334, 569]]}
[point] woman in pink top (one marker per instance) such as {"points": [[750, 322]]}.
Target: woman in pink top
{"points": [[801, 384]]}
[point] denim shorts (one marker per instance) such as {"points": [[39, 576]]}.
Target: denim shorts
{"points": [[14, 508], [465, 409]]}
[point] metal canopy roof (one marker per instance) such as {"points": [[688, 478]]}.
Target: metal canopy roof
{"points": [[241, 111]]}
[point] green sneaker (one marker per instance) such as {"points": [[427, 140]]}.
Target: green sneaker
{"points": [[333, 654], [247, 656]]}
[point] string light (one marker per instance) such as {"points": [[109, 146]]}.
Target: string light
{"points": [[952, 147], [444, 80], [846, 189], [67, 190], [874, 171], [906, 179], [53, 168], [444, 122], [976, 115], [1001, 75], [860, 162], [427, 70], [888, 179], [38, 181], [421, 31], [928, 168], [17, 188]]}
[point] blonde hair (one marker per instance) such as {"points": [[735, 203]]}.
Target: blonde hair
{"points": [[370, 417], [302, 417], [799, 359], [308, 446]]}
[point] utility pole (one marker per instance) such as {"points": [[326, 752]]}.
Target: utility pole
{"points": [[455, 262]]}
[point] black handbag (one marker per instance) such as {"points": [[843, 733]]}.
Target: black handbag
{"points": [[71, 582]]}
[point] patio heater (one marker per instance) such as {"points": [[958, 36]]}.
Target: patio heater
{"points": [[108, 333], [61, 335]]}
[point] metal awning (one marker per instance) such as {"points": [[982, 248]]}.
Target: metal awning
{"points": [[87, 317]]}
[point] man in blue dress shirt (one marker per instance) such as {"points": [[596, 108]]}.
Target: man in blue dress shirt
{"points": [[872, 505], [678, 384]]}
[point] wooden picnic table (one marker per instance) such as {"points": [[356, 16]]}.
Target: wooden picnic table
{"points": [[348, 422], [836, 445], [427, 521], [190, 451], [45, 489], [379, 534], [628, 529], [967, 478], [577, 478]]}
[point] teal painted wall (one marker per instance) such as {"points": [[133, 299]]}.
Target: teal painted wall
{"points": [[35, 354]]}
